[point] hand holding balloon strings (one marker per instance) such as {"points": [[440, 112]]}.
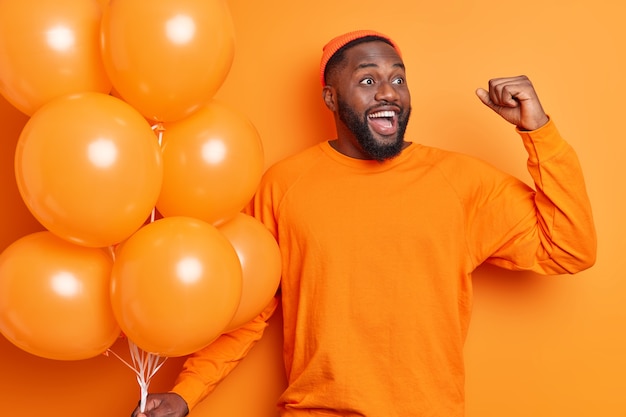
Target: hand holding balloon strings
{"points": [[145, 365]]}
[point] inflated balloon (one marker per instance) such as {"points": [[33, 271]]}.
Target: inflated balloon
{"points": [[48, 49], [170, 58], [175, 285], [212, 162], [54, 298], [260, 260], [89, 168]]}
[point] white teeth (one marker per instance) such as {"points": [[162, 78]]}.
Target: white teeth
{"points": [[387, 113]]}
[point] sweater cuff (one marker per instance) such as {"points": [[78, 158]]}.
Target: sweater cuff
{"points": [[191, 390], [543, 143]]}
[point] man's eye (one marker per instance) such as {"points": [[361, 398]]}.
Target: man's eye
{"points": [[398, 81], [367, 81]]}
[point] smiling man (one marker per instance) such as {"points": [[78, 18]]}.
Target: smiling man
{"points": [[379, 237]]}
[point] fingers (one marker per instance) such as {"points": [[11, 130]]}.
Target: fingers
{"points": [[137, 413], [483, 95], [491, 101], [509, 91], [505, 92], [163, 405], [153, 401], [515, 100]]}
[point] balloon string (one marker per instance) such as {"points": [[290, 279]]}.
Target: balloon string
{"points": [[159, 129], [145, 365], [112, 252]]}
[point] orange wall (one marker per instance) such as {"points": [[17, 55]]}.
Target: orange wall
{"points": [[538, 346]]}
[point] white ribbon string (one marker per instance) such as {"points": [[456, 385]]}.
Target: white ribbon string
{"points": [[145, 365], [158, 128]]}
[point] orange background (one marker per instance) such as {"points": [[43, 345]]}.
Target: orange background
{"points": [[537, 346]]}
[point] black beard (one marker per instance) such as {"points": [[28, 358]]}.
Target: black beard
{"points": [[360, 128]]}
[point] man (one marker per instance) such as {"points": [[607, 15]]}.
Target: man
{"points": [[379, 238]]}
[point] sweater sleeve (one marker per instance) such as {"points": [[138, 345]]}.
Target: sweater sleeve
{"points": [[203, 370], [557, 234]]}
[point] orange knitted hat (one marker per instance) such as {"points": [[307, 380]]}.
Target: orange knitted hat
{"points": [[336, 43]]}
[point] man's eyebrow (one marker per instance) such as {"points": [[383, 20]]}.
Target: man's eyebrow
{"points": [[371, 64]]}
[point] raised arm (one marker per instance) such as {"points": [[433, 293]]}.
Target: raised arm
{"points": [[554, 231]]}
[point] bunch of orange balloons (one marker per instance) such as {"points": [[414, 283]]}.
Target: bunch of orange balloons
{"points": [[123, 125]]}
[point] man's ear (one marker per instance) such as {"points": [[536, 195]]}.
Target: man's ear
{"points": [[329, 96]]}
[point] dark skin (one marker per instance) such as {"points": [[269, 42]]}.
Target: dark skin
{"points": [[166, 404], [373, 80]]}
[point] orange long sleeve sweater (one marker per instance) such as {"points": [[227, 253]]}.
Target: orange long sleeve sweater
{"points": [[377, 263]]}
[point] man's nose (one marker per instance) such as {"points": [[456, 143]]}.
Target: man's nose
{"points": [[386, 92]]}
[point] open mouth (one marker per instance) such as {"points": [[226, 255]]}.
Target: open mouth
{"points": [[384, 122]]}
